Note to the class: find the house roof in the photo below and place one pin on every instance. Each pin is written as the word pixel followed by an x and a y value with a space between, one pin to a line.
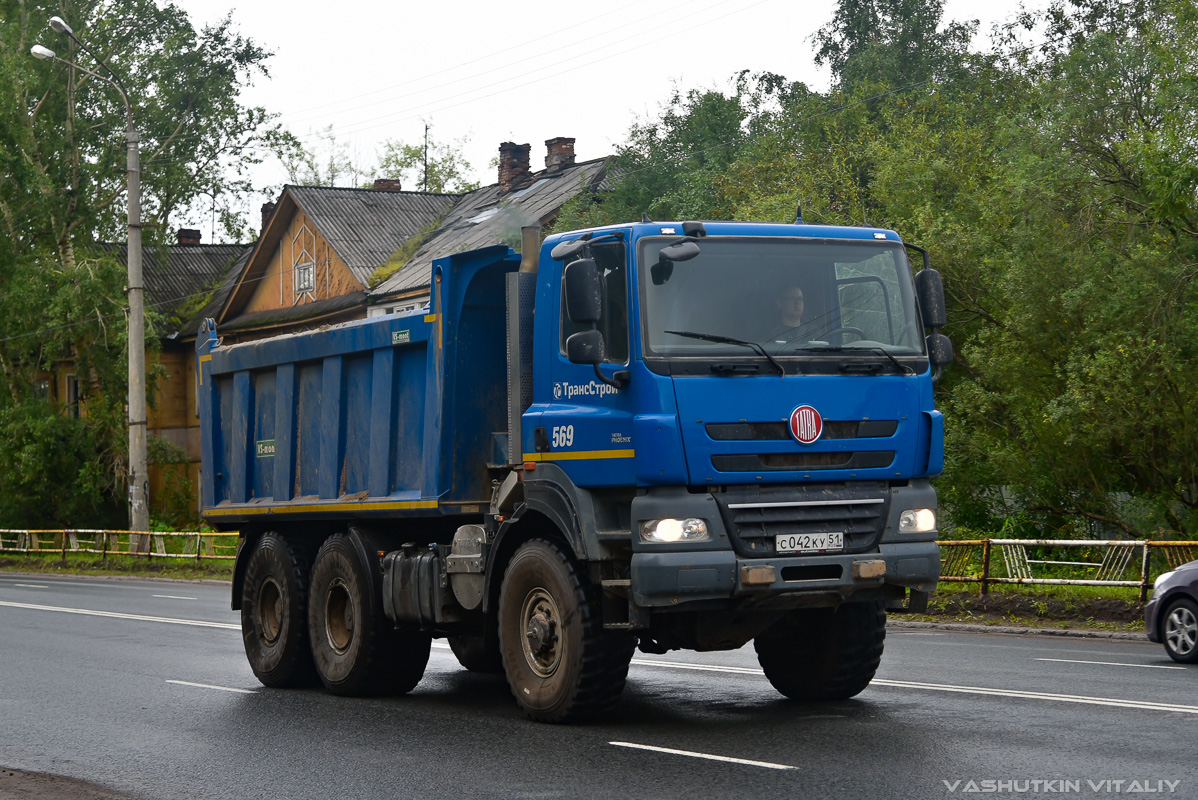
pixel 307 312
pixel 366 226
pixel 362 226
pixel 175 275
pixel 482 218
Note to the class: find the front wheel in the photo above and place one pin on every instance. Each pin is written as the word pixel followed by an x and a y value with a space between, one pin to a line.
pixel 1179 631
pixel 560 663
pixel 274 610
pixel 824 654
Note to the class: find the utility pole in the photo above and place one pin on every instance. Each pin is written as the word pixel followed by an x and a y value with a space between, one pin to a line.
pixel 139 479
pixel 425 157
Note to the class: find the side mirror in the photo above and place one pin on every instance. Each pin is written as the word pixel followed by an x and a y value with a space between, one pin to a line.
pixel 584 292
pixel 683 250
pixel 586 347
pixel 661 271
pixel 930 290
pixel 564 250
pixel 940 349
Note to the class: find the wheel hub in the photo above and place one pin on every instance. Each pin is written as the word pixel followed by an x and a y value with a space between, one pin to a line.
pixel 541 626
pixel 339 617
pixel 1181 631
pixel 270 611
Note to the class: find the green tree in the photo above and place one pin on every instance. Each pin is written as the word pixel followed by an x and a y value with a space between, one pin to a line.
pixel 429 166
pixel 62 194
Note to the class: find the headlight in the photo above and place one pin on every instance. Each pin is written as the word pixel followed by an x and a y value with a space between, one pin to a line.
pixel 665 531
pixel 917 520
pixel 1161 579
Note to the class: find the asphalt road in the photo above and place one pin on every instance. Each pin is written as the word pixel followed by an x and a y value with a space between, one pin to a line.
pixel 142 687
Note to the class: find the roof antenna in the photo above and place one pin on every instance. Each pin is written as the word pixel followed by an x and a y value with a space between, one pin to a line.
pixel 799 212
pixel 645 217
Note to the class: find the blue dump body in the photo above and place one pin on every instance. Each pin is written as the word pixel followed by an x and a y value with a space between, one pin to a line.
pixel 390 416
pixel 664 435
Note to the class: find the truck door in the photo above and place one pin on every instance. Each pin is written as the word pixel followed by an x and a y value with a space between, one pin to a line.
pixel 588 424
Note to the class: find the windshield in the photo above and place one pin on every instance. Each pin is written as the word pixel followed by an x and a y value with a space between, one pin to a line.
pixel 790 297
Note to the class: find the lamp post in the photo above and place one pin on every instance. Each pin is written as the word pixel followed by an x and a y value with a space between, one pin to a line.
pixel 139 510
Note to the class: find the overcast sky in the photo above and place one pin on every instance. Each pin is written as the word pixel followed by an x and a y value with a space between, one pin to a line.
pixel 518 70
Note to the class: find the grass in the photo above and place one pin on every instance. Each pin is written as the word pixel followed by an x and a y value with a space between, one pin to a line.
pixel 51 563
pixel 1099 608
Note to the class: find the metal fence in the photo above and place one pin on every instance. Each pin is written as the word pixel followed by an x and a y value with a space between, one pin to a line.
pixel 194 545
pixel 1021 561
pixel 1062 563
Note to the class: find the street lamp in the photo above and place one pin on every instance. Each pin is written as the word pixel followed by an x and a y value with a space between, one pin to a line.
pixel 139 510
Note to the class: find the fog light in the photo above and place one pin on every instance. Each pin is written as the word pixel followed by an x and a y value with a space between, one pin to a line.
pixel 668 531
pixel 917 520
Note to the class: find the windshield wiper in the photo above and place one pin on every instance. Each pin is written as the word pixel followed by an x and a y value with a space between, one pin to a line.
pixel 711 337
pixel 827 348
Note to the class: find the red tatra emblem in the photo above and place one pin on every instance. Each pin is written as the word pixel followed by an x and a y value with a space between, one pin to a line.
pixel 806 424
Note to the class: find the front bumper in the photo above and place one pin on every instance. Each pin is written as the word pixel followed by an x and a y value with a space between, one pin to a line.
pixel 670 579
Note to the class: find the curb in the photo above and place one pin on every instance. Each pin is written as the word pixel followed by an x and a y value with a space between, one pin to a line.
pixel 1075 633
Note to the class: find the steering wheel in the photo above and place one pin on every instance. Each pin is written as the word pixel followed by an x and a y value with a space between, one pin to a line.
pixel 797 345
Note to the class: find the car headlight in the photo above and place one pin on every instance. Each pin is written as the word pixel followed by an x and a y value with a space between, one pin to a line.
pixel 917 520
pixel 1161 579
pixel 668 531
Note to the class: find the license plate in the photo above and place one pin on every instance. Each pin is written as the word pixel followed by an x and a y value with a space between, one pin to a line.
pixel 809 542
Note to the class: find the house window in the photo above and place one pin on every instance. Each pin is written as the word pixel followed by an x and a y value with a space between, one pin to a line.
pixel 303 260
pixel 305 276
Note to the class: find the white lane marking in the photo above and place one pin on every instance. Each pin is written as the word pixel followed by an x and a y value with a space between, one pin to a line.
pixel 644 662
pixel 707 756
pixel 31 586
pixel 940 687
pixel 1107 663
pixel 1059 698
pixel 210 686
pixel 199 623
pixel 172 597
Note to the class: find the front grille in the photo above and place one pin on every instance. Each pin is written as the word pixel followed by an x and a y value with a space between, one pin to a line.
pixel 755 515
pixel 758 462
pixel 778 432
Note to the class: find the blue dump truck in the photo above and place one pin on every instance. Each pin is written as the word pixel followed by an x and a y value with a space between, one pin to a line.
pixel 665 435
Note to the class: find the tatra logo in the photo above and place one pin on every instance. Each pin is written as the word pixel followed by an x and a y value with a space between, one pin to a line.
pixel 806 424
pixel 592 389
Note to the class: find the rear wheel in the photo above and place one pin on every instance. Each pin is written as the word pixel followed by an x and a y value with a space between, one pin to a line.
pixel 354 646
pixel 1179 631
pixel 274 610
pixel 560 662
pixel 824 654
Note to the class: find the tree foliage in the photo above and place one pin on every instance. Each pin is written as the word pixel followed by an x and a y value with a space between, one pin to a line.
pixel 1054 179
pixel 63 195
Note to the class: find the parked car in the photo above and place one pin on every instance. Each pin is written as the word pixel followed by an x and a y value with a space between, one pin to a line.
pixel 1171 616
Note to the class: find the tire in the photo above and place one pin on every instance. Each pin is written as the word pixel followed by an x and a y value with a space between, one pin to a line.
pixel 824 654
pixel 355 648
pixel 1179 631
pixel 560 663
pixel 274 614
pixel 478 653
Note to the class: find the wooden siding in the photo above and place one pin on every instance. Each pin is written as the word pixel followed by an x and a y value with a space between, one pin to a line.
pixel 276 289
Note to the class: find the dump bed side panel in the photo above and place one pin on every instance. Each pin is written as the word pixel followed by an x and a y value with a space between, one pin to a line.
pixel 391 416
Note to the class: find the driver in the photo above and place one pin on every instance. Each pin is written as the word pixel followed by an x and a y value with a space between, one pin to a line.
pixel 791 326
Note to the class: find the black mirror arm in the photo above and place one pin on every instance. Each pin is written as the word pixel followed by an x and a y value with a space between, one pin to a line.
pixel 619 379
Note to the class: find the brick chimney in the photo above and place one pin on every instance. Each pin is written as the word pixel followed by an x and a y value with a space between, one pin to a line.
pixel 268 209
pixel 513 167
pixel 187 236
pixel 559 154
pixel 387 185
